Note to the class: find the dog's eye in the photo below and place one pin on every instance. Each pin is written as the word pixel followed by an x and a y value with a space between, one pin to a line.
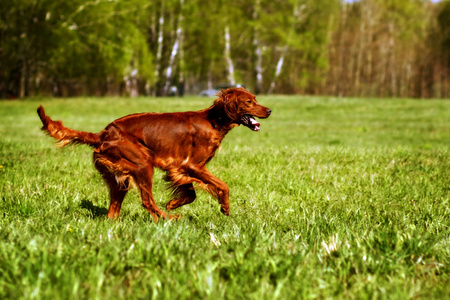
pixel 249 101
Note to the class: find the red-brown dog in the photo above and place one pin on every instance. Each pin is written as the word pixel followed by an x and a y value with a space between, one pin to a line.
pixel 179 143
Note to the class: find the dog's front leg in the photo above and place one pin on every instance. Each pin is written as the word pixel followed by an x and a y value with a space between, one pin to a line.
pixel 213 185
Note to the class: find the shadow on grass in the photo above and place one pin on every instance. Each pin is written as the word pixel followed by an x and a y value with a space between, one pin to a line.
pixel 96 211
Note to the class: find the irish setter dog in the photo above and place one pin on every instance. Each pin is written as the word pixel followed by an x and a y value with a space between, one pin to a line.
pixel 179 143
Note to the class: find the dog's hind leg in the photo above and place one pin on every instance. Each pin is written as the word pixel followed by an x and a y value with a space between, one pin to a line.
pixel 183 194
pixel 144 178
pixel 118 187
pixel 117 193
pixel 121 161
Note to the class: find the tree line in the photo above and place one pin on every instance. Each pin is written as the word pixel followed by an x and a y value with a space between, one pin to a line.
pixel 382 48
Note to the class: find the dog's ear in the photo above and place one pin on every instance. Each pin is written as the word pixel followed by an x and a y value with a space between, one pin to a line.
pixel 219 103
pixel 227 103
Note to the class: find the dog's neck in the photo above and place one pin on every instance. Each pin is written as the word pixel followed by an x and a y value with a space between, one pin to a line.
pixel 220 121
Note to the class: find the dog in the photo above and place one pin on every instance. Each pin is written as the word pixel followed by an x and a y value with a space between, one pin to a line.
pixel 180 143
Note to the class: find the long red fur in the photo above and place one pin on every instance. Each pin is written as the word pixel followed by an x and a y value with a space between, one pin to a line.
pixel 179 143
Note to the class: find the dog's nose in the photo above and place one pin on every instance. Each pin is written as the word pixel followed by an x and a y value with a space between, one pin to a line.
pixel 269 111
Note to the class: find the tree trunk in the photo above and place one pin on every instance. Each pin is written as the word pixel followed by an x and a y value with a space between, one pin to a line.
pixel 340 72
pixel 361 48
pixel 231 79
pixel 367 90
pixel 277 70
pixel 392 61
pixel 295 19
pixel 175 48
pixel 258 72
pixel 159 49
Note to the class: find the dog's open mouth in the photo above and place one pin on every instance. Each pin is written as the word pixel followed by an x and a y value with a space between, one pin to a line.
pixel 250 122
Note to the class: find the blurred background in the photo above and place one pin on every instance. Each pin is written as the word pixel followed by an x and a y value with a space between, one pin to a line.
pixel 368 48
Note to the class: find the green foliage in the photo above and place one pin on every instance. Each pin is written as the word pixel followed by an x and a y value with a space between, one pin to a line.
pixel 367 47
pixel 334 198
pixel 443 21
pixel 75 40
pixel 105 37
pixel 203 43
pixel 399 13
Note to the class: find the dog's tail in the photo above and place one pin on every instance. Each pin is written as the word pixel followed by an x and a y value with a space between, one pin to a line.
pixel 65 135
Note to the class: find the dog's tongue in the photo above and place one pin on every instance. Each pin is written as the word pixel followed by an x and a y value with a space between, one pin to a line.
pixel 256 125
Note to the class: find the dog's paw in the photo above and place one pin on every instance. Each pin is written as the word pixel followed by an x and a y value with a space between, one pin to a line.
pixel 170 206
pixel 174 217
pixel 225 211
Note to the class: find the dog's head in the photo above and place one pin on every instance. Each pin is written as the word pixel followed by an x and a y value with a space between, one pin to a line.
pixel 241 107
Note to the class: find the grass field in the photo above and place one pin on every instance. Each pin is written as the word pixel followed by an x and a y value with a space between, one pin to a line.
pixel 334 198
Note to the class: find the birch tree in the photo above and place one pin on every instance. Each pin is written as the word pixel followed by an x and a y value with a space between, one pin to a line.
pixel 175 49
pixel 230 65
pixel 160 42
pixel 298 14
pixel 258 70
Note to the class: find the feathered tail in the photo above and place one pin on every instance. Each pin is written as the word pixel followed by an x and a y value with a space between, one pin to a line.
pixel 65 135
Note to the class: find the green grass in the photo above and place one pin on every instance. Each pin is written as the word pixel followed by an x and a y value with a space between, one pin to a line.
pixel 334 198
